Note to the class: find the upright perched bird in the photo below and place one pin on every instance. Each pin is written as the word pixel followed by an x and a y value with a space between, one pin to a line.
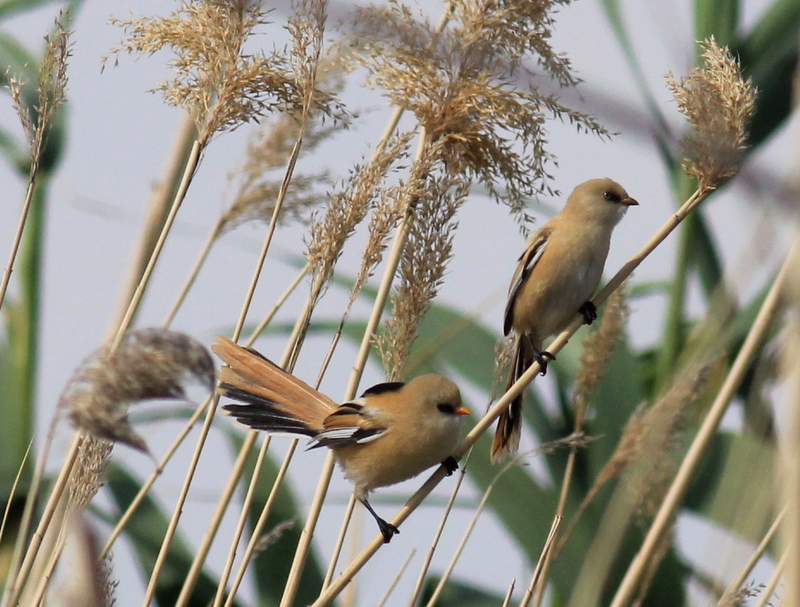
pixel 557 275
pixel 391 433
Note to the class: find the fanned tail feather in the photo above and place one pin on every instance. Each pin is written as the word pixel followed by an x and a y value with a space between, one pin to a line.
pixel 276 401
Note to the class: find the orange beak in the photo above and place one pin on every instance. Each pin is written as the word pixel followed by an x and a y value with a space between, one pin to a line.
pixel 462 410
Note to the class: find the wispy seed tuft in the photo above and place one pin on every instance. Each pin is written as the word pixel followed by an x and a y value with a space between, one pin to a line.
pixel 148 364
pixel 718 103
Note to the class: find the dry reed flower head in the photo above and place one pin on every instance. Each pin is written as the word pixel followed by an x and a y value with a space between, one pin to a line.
pixel 89 583
pixel 89 472
pixel 718 103
pixel 646 449
pixel 219 83
pixel 469 87
pixel 347 208
pixel 599 347
pixel 436 198
pixel 148 364
pixel 654 461
pixel 51 93
pixel 269 150
pixel 259 178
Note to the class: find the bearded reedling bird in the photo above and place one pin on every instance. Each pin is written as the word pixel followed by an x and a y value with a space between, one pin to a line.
pixel 393 432
pixel 557 275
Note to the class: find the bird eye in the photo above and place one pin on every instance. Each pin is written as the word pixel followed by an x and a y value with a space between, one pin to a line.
pixel 446 408
pixel 612 196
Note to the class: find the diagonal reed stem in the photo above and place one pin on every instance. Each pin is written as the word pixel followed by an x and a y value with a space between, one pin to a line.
pixel 145 488
pixel 423 572
pixel 172 528
pixel 537 579
pixel 12 256
pixel 491 415
pixel 671 502
pixel 763 600
pixel 392 263
pixel 754 558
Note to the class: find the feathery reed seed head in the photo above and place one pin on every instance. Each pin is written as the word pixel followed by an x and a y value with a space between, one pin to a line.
pixel 463 86
pixel 148 364
pixel 347 208
pixel 599 347
pixel 90 468
pixel 219 83
pixel 436 200
pixel 51 92
pixel 718 103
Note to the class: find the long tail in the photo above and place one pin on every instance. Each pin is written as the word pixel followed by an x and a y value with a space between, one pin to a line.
pixel 276 401
pixel 509 424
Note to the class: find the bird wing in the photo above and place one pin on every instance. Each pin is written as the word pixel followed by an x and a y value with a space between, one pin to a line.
pixel 527 262
pixel 276 400
pixel 352 423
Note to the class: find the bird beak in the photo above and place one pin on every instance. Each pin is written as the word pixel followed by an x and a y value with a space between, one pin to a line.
pixel 462 410
pixel 629 202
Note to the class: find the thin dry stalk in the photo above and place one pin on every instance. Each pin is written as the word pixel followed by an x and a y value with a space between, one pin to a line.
pixel 572 441
pixel 157 213
pixel 51 93
pixel 509 593
pixel 188 174
pixel 252 545
pixel 222 505
pixel 87 479
pixel 396 579
pixel 193 273
pixel 148 484
pixel 671 502
pixel 766 594
pixel 734 591
pixel 337 549
pixel 13 490
pixel 246 504
pixel 598 349
pixel 423 572
pixel 536 579
pixel 788 469
pixel 16 580
pixel 491 415
pixel 467 534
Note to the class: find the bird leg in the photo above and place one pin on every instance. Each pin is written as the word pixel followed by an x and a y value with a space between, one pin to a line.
pixel 451 465
pixel 541 356
pixel 387 529
pixel 589 312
